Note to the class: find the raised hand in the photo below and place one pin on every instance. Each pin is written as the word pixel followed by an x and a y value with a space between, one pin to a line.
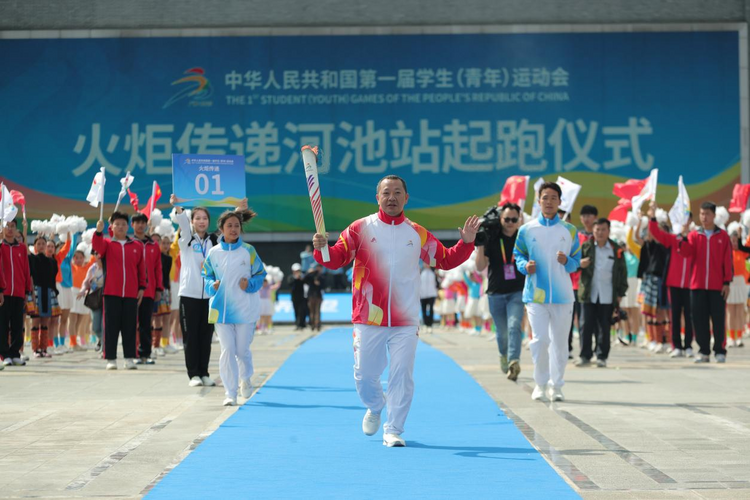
pixel 469 231
pixel 320 241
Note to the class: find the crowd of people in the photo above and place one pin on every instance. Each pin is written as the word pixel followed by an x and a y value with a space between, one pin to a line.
pixel 638 283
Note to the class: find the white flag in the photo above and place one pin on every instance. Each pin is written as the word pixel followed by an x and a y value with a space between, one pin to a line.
pixel 570 192
pixel 8 211
pixel 536 209
pixel 647 193
pixel 680 211
pixel 96 193
pixel 125 183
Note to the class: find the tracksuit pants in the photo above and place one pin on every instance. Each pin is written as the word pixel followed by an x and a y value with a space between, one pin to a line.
pixel 679 298
pixel 119 317
pixel 428 311
pixel 236 361
pixel 300 311
pixel 709 305
pixel 11 327
pixel 372 345
pixel 145 312
pixel 597 323
pixel 197 333
pixel 550 324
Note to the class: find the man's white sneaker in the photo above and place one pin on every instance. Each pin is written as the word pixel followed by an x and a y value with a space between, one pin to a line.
pixel 393 441
pixel 689 352
pixel 677 353
pixel 538 393
pixel 130 364
pixel 195 382
pixel 19 362
pixel 702 358
pixel 371 423
pixel 208 381
pixel 7 362
pixel 246 388
pixel 230 402
pixel 720 358
pixel 111 365
pixel 601 363
pixel 555 394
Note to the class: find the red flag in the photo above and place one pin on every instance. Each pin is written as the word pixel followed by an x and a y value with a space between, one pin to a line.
pixel 620 212
pixel 629 189
pixel 514 190
pixel 133 199
pixel 740 195
pixel 151 205
pixel 18 197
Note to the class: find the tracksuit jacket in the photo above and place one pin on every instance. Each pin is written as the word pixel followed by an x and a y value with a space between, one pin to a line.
pixel 123 264
pixel 16 273
pixel 680 263
pixel 152 263
pixel 193 251
pixel 228 263
pixel 540 240
pixel 712 258
pixel 386 252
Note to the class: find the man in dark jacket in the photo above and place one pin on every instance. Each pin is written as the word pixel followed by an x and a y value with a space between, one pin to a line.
pixel 299 302
pixel 604 281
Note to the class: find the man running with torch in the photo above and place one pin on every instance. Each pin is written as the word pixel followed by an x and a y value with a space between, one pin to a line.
pixel 386 248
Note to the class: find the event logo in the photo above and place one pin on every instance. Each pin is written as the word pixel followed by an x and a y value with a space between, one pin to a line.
pixel 196 87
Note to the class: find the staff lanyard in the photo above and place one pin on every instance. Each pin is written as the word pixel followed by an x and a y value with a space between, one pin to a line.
pixel 502 249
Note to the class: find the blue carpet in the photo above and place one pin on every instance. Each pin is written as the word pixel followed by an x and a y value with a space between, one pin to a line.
pixel 300 437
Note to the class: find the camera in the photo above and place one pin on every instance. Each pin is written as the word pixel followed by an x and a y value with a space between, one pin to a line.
pixel 489 227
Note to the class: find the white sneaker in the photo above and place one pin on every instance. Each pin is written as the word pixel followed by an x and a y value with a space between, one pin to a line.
pixel 689 352
pixel 246 388
pixel 8 362
pixel 160 351
pixel 739 343
pixel 19 362
pixel 677 353
pixel 702 358
pixel 154 354
pixel 195 382
pixel 555 394
pixel 538 393
pixel 371 423
pixel 393 441
pixel 111 365
pixel 130 364
pixel 230 402
pixel 208 381
pixel 720 358
pixel 730 342
pixel 169 349
pixel 179 347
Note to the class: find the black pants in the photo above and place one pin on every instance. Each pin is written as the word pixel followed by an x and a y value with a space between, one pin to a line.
pixel 300 311
pixel 680 300
pixel 576 314
pixel 197 332
pixel 120 317
pixel 709 305
pixel 11 327
pixel 597 322
pixel 428 311
pixel 145 312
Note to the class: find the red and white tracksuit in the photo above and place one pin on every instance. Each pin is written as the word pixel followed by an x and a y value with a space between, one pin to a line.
pixel 385 303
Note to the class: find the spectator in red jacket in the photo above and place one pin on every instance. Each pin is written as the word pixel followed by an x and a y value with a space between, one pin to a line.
pixel 154 288
pixel 711 249
pixel 124 284
pixel 17 283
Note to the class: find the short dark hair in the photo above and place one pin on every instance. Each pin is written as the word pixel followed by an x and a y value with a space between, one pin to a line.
pixel 602 220
pixel 14 222
pixel 139 217
pixel 589 210
pixel 119 215
pixel 707 205
pixel 512 206
pixel 391 178
pixel 550 185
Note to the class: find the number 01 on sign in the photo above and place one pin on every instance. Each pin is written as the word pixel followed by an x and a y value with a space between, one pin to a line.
pixel 208 180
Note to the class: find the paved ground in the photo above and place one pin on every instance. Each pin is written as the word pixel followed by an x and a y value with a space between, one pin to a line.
pixel 647 427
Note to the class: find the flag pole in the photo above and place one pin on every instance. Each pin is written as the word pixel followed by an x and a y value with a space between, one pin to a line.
pixel 101 201
pixel 2 205
pixel 152 201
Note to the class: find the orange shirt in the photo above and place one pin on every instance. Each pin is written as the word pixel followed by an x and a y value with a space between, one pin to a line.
pixel 739 257
pixel 79 272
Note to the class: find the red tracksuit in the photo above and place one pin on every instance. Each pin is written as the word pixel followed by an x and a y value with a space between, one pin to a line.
pixel 15 282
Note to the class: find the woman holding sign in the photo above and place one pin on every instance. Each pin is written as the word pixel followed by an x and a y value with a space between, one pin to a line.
pixel 234 274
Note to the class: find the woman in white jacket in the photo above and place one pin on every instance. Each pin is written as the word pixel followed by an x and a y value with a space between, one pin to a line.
pixel 234 273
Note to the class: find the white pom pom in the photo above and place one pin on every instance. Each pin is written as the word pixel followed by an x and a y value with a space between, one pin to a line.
pixel 88 235
pixel 85 248
pixel 661 215
pixel 631 220
pixel 156 217
pixel 36 226
pixel 62 228
pixel 173 215
pixel 735 228
pixel 722 217
pixel 56 218
pixel 76 224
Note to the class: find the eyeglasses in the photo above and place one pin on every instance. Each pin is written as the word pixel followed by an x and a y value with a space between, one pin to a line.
pixel 511 219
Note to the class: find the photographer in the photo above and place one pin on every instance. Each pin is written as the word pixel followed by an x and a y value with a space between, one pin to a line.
pixel 505 283
pixel 604 281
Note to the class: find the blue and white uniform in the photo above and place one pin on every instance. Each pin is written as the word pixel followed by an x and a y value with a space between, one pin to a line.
pixel 234 311
pixel 548 293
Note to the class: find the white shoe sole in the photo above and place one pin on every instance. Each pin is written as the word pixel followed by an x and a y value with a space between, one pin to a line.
pixel 394 444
